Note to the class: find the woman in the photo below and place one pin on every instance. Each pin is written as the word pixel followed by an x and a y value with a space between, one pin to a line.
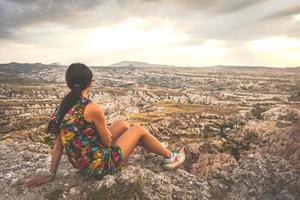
pixel 80 128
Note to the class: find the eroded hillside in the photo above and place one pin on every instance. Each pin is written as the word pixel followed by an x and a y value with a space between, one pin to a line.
pixel 239 126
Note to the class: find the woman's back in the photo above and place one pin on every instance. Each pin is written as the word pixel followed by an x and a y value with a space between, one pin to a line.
pixel 82 144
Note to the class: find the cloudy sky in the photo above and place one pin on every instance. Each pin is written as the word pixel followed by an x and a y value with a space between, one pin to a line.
pixel 177 32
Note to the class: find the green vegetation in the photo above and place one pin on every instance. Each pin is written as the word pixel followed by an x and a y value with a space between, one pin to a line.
pixel 130 190
pixel 53 195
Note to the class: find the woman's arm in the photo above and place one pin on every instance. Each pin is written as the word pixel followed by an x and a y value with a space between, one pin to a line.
pixel 56 156
pixel 94 113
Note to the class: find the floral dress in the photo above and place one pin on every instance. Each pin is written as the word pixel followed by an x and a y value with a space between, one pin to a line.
pixel 82 143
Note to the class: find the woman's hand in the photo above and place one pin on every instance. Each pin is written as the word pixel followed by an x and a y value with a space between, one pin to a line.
pixel 56 156
pixel 38 180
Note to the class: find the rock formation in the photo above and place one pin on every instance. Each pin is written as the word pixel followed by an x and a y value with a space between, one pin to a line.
pixel 239 128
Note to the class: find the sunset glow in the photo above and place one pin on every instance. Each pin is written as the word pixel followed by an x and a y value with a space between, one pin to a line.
pixel 163 32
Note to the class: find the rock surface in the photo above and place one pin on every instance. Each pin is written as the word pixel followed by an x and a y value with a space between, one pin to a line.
pixel 238 126
pixel 255 177
pixel 208 163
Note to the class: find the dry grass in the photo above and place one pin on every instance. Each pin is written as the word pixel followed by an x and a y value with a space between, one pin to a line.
pixel 111 91
pixel 4 103
pixel 166 91
pixel 171 107
pixel 145 118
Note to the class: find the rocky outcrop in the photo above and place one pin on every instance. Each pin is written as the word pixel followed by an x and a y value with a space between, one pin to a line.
pixel 234 124
pixel 283 142
pixel 281 113
pixel 208 163
pixel 254 177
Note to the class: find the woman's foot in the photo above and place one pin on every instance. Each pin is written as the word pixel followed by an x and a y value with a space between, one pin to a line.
pixel 177 158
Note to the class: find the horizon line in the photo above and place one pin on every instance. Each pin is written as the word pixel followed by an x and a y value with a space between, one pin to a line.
pixel 162 65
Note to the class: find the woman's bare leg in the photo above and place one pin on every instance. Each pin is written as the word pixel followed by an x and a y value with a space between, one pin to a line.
pixel 117 128
pixel 135 134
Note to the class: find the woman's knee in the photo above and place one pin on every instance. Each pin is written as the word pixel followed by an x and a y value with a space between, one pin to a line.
pixel 122 123
pixel 138 129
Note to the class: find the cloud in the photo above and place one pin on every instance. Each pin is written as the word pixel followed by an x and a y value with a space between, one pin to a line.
pixel 213 19
pixel 74 24
pixel 216 6
pixel 241 22
pixel 287 12
pixel 15 14
pixel 235 20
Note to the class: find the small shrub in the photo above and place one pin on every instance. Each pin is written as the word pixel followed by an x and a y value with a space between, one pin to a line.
pixel 257 110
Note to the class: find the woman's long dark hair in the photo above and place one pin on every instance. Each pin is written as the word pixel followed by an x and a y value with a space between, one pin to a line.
pixel 78 76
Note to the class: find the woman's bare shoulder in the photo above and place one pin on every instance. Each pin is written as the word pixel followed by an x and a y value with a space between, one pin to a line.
pixel 92 107
pixel 91 111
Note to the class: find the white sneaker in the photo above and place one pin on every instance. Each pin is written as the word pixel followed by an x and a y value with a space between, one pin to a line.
pixel 176 159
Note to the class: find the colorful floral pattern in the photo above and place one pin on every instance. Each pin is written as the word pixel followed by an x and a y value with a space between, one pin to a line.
pixel 82 143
